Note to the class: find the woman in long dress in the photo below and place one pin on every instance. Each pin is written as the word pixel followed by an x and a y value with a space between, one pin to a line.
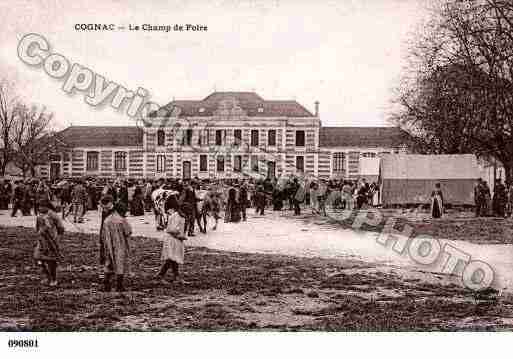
pixel 437 202
pixel 232 207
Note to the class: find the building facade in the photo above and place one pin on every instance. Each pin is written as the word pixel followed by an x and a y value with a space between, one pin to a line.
pixel 225 135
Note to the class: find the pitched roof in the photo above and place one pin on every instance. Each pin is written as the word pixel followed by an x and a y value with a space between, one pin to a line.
pixel 362 137
pixel 249 102
pixel 101 136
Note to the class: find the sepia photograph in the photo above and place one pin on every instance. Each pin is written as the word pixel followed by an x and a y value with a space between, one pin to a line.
pixel 228 166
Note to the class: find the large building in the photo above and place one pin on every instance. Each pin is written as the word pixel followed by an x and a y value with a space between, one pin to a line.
pixel 225 135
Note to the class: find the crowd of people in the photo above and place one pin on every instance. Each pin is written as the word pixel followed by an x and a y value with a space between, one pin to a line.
pixel 500 204
pixel 77 196
pixel 186 203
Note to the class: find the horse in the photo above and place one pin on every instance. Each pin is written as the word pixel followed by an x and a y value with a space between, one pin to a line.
pixel 207 206
pixel 159 197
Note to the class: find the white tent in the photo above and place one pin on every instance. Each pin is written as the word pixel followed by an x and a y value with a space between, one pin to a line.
pixel 411 178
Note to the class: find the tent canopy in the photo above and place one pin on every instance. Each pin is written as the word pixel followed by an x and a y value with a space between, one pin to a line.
pixel 433 167
pixel 410 179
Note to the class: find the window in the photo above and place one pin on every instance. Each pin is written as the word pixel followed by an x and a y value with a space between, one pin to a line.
pixel 368 155
pixel 338 162
pixel 203 138
pixel 187 137
pixel 207 137
pixel 120 161
pixel 219 137
pixel 300 138
pixel 161 163
pixel 254 163
pixel 203 163
pixel 300 163
pixel 161 138
pixel 237 137
pixel 92 161
pixel 237 163
pixel 260 109
pixel 271 138
pixel 254 137
pixel 55 157
pixel 220 163
pixel 202 109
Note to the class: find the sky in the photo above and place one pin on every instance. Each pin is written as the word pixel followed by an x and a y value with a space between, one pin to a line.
pixel 346 54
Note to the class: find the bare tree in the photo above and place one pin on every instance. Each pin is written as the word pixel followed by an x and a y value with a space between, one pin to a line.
pixel 31 131
pixel 7 122
pixel 456 94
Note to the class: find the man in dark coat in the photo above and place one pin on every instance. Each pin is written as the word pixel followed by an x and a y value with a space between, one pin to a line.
pixel 499 199
pixel 298 197
pixel 17 201
pixel 243 200
pixel 188 202
pixel 260 200
pixel 479 197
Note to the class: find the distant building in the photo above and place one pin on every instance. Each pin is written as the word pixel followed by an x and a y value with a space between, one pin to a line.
pixel 225 135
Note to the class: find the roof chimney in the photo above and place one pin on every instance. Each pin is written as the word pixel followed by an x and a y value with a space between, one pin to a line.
pixel 316 108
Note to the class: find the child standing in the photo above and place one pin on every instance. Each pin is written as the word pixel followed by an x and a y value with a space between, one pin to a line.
pixel 47 254
pixel 173 248
pixel 115 236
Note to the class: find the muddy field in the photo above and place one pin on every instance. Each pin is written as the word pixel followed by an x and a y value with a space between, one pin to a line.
pixel 230 291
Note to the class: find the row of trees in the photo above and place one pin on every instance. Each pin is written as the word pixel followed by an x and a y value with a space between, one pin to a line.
pixel 23 132
pixel 456 93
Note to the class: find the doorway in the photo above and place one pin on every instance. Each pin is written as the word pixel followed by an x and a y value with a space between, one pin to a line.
pixel 55 170
pixel 186 170
pixel 271 169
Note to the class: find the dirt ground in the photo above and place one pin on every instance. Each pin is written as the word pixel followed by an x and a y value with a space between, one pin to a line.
pixel 226 291
pixel 455 225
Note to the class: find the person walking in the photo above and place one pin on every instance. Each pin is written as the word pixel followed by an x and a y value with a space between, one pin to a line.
pixel 17 200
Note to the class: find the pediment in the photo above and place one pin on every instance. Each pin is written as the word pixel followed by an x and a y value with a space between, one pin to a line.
pixel 229 107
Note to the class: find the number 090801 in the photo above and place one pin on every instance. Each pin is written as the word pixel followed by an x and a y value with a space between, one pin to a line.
pixel 22 343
